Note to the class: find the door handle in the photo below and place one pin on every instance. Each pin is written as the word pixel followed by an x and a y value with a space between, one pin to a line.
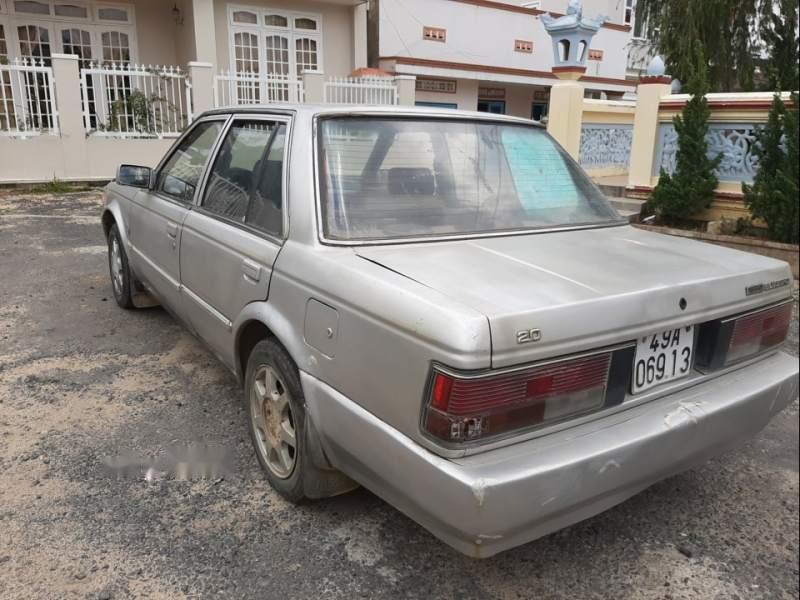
pixel 251 270
pixel 172 229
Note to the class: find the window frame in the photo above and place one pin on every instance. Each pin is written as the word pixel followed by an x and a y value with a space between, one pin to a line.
pixel 81 3
pixel 284 118
pixel 317 155
pixel 261 31
pixel 188 204
pixel 54 25
pixel 629 12
pixel 129 7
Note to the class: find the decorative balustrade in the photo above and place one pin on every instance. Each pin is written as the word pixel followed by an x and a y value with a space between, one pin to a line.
pixel 27 99
pixel 733 141
pixel 123 100
pixel 235 89
pixel 605 146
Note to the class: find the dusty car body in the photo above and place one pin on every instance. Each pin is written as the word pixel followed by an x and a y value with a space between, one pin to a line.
pixel 494 373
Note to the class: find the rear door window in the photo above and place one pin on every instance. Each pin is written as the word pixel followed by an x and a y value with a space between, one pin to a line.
pixel 246 180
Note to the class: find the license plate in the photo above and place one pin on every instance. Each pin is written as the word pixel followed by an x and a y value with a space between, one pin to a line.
pixel 662 357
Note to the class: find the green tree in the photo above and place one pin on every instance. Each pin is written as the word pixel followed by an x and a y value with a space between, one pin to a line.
pixel 725 29
pixel 778 28
pixel 774 195
pixel 690 189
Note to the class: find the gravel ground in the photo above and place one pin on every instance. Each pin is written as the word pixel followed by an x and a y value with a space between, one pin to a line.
pixel 81 379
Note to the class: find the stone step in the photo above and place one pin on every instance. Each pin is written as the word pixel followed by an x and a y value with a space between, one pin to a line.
pixel 615 191
pixel 632 216
pixel 629 204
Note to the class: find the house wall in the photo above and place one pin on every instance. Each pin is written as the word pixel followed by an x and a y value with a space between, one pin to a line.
pixel 480 35
pixel 337 31
pixel 156 32
pixel 519 100
pixel 185 50
pixel 466 95
pixel 613 9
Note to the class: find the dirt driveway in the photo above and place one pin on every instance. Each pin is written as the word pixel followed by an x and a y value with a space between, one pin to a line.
pixel 81 380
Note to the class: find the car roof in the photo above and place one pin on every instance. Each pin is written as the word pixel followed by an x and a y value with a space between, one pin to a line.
pixel 312 110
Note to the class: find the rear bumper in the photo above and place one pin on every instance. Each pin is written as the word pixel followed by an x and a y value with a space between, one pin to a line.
pixel 489 502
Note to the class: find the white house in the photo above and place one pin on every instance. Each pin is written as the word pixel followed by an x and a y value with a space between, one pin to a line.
pixel 496 56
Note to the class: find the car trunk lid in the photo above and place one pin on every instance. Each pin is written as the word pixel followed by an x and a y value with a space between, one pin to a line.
pixel 584 289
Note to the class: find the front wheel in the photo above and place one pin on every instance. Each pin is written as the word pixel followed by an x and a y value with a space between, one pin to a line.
pixel 118 269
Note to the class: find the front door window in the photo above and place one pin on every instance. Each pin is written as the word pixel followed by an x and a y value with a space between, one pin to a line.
pixel 181 173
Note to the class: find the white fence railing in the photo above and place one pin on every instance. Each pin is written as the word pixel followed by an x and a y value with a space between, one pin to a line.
pixel 135 100
pixel 232 89
pixel 27 99
pixel 360 90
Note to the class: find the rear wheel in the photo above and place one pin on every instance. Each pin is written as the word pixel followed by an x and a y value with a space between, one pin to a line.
pixel 118 269
pixel 276 414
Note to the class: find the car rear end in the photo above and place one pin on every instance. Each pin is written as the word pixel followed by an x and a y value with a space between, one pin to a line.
pixel 557 441
pixel 617 357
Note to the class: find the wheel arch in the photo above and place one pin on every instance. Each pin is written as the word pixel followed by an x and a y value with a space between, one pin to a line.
pixel 112 215
pixel 261 320
pixel 258 321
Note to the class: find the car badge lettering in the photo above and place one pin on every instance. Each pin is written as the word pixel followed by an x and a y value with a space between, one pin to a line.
pixel 527 336
pixel 760 288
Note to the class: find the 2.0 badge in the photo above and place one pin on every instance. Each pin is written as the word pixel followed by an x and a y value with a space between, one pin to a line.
pixel 527 336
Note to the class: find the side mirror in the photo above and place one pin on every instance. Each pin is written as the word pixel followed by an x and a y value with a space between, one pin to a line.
pixel 134 176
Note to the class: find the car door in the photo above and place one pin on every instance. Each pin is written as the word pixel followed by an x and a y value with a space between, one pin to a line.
pixel 155 222
pixel 231 239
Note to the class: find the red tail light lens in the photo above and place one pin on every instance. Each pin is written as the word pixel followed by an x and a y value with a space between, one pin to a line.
pixel 754 333
pixel 727 341
pixel 464 408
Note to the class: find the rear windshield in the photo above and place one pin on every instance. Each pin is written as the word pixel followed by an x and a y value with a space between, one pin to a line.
pixel 384 179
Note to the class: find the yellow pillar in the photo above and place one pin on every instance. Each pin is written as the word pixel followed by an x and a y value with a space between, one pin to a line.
pixel 565 115
pixel 645 129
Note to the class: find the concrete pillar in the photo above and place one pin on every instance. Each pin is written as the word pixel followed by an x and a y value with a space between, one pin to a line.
pixel 205 33
pixel 645 128
pixel 67 85
pixel 202 77
pixel 565 114
pixel 314 86
pixel 406 89
pixel 360 36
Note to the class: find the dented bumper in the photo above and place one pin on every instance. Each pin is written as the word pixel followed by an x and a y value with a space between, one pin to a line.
pixel 489 502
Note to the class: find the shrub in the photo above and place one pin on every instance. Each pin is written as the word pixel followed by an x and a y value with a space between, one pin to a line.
pixel 690 189
pixel 774 196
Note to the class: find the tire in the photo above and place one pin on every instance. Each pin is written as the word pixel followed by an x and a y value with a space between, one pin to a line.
pixel 276 416
pixel 121 280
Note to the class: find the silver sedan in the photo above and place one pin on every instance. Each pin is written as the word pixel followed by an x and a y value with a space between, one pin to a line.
pixel 442 307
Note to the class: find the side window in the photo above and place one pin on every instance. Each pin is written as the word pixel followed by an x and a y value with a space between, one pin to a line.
pixel 180 175
pixel 246 181
pixel 266 206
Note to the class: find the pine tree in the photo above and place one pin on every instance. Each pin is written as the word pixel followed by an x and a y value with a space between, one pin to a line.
pixel 774 195
pixel 690 189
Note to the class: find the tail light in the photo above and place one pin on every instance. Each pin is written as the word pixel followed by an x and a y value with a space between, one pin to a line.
pixel 465 407
pixel 728 341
